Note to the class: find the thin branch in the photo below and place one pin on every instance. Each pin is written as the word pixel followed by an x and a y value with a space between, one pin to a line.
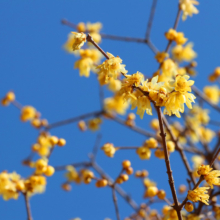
pixel 118 189
pixel 135 128
pixel 180 150
pixel 115 203
pixel 27 204
pixel 126 148
pixel 96 147
pixel 151 18
pixel 72 120
pixel 17 104
pixel 167 161
pixel 79 164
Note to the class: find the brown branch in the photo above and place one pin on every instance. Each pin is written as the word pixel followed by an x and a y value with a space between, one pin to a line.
pixel 17 104
pixel 167 161
pixel 115 203
pixel 126 148
pixel 72 120
pixel 118 189
pixel 136 129
pixel 119 38
pixel 79 164
pixel 174 27
pixel 151 18
pixel 27 204
pixel 180 150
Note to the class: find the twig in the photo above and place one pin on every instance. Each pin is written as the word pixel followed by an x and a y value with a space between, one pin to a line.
pixel 167 161
pixel 80 164
pixel 118 189
pixel 28 208
pixel 95 148
pixel 17 104
pixel 150 21
pixel 115 203
pixel 135 128
pixel 72 120
pixel 180 150
pixel 126 148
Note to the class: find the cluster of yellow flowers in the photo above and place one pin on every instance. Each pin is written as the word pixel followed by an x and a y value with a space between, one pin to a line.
pixel 188 8
pixel 9 97
pixel 92 124
pixel 196 121
pixel 89 57
pixel 11 184
pixel 45 142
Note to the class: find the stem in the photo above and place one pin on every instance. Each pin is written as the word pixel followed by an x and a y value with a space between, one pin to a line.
pixel 115 203
pixel 151 18
pixel 28 208
pixel 89 38
pixel 72 120
pixel 167 161
pixel 180 150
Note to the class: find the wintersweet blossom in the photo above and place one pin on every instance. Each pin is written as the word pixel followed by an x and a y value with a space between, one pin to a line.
pixel 84 65
pixel 116 104
pixel 199 194
pixel 181 53
pixel 75 41
pixel 182 84
pixel 212 92
pixel 188 8
pixel 110 68
pixel 109 149
pixel 211 176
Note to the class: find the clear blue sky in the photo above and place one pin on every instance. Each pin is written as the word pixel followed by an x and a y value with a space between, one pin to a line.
pixel 34 65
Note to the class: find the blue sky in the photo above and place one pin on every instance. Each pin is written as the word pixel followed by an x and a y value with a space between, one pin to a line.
pixel 41 74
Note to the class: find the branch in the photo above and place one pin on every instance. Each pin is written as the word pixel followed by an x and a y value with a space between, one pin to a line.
pixel 180 150
pixel 150 21
pixel 167 161
pixel 72 120
pixel 28 208
pixel 115 203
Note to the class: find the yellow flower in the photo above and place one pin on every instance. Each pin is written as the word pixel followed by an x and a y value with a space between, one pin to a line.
pixel 200 114
pixel 175 103
pixel 212 92
pixel 110 68
pixel 206 135
pixel 169 68
pixel 114 85
pixel 181 53
pixel 151 143
pixel 116 104
pixel 109 149
pixel 180 39
pixel 72 174
pixel 144 153
pixel 204 169
pixel 9 97
pixel 95 27
pixel 84 65
pixel 94 124
pixel 28 113
pixel 143 104
pixel 160 56
pixel 171 34
pixel 81 27
pixel 211 176
pixel 188 8
pixel 176 36
pixel 199 194
pixel 75 41
pixel 182 84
